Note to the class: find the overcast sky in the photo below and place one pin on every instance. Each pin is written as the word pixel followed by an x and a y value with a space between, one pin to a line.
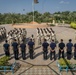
pixel 24 6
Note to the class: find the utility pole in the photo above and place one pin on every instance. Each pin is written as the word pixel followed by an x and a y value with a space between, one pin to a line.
pixel 33 4
pixel 33 9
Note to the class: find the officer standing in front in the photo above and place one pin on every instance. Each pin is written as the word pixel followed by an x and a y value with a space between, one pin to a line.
pixel 15 49
pixel 45 50
pixel 23 49
pixel 69 46
pixel 6 48
pixel 61 48
pixel 75 51
pixel 31 48
pixel 52 46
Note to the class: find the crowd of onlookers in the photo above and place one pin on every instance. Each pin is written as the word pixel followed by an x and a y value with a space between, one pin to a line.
pixel 61 46
pixel 31 44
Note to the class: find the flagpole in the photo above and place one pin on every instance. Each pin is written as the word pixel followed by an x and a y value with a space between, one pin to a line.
pixel 33 9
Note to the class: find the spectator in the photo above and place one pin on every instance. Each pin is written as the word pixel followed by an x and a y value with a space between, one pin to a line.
pixel 31 48
pixel 15 49
pixel 69 46
pixel 52 46
pixel 61 48
pixel 6 48
pixel 45 50
pixel 23 49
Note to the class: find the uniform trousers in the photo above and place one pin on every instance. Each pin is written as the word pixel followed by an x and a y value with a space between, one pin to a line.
pixel 7 53
pixel 16 52
pixel 23 54
pixel 45 51
pixel 69 53
pixel 31 53
pixel 45 54
pixel 75 54
pixel 52 52
pixel 61 53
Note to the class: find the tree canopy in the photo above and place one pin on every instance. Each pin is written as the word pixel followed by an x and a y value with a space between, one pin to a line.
pixel 59 17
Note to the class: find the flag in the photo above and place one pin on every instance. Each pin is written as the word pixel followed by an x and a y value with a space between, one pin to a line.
pixel 36 1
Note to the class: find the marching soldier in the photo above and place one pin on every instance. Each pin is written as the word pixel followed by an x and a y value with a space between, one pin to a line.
pixel 32 37
pixel 45 49
pixel 6 48
pixel 52 51
pixel 23 49
pixel 69 46
pixel 31 48
pixel 61 48
pixel 15 49
pixel 39 40
pixel 5 32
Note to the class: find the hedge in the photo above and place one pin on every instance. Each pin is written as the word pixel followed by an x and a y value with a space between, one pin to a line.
pixel 64 62
pixel 4 61
pixel 73 25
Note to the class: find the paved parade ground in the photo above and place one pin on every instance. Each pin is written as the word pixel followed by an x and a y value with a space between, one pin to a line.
pixel 39 66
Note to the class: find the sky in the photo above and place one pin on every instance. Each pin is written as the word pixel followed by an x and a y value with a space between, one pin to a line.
pixel 25 6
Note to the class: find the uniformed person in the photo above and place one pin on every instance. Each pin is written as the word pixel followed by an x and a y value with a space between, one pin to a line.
pixel 15 49
pixel 6 48
pixel 61 48
pixel 45 49
pixel 69 46
pixel 39 40
pixel 1 34
pixel 52 51
pixel 32 37
pixel 75 51
pixel 23 49
pixel 31 48
pixel 24 39
pixel 5 32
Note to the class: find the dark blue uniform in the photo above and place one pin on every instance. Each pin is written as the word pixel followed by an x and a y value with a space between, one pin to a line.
pixel 31 44
pixel 61 49
pixel 75 51
pixel 15 49
pixel 69 50
pixel 45 50
pixel 52 46
pixel 23 50
pixel 6 49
